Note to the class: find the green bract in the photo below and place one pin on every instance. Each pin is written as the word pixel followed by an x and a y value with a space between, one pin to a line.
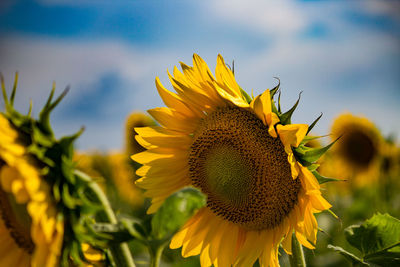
pixel 71 192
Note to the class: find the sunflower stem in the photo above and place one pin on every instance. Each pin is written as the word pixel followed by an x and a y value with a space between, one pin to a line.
pixel 120 253
pixel 297 258
pixel 155 254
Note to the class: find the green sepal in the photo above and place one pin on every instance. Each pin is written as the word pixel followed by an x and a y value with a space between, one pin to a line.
pixel 67 169
pixel 308 138
pixel 44 115
pixel 68 199
pixel 313 167
pixel 40 153
pixel 76 253
pixel 322 179
pixel 67 142
pixel 245 95
pixel 14 90
pixel 313 123
pixel 56 191
pixel 274 90
pixel 38 137
pixel 279 103
pixel 65 257
pixel 301 150
pixel 286 118
pixel 313 154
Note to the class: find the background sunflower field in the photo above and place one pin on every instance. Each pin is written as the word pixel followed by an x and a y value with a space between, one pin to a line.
pixel 344 56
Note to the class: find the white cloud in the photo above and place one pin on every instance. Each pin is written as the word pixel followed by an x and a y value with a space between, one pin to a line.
pixel 76 63
pixel 280 17
pixel 315 65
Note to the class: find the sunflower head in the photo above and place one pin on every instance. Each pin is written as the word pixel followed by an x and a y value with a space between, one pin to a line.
pixel 135 119
pixel 357 155
pixel 244 154
pixel 43 218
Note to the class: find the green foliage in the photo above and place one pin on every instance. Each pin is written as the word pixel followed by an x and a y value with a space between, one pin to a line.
pixel 175 211
pixel 377 239
pixel 286 118
pixel 71 191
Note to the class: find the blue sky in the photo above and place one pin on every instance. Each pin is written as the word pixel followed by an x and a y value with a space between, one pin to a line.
pixel 343 55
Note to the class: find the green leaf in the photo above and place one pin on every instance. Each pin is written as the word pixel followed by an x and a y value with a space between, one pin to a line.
pixel 313 167
pixel 274 90
pixel 378 239
pixel 313 124
pixel 67 198
pixel 40 138
pixel 313 154
pixel 279 103
pixel 322 179
pixel 44 115
pixel 14 90
pixel 286 118
pixel 175 211
pixel 308 138
pixel 349 256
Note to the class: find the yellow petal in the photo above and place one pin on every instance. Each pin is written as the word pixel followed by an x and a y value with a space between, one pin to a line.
pixel 148 156
pixel 272 119
pixel 174 120
pixel 292 134
pixel 262 106
pixel 287 243
pixel 172 100
pixel 225 76
pixel 161 137
pixel 308 180
pixel 319 203
pixel 236 100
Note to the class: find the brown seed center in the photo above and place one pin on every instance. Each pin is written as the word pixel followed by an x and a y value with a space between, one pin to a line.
pixel 242 169
pixel 17 220
pixel 358 148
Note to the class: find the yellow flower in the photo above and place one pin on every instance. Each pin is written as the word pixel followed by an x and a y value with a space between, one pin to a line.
pixel 356 156
pixel 31 230
pixel 94 256
pixel 240 153
pixel 135 119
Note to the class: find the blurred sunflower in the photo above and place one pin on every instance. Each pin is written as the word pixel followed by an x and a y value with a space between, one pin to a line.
pixel 31 229
pixel 244 155
pixel 135 119
pixel 114 173
pixel 45 204
pixel 390 164
pixel 356 157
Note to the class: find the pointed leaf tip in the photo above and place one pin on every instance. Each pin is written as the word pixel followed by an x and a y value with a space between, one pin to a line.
pixel 286 118
pixel 274 90
pixel 314 122
pixel 14 90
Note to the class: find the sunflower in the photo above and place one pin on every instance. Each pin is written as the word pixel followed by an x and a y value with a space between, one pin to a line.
pixel 135 119
pixel 357 155
pixel 244 154
pixel 45 204
pixel 31 230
